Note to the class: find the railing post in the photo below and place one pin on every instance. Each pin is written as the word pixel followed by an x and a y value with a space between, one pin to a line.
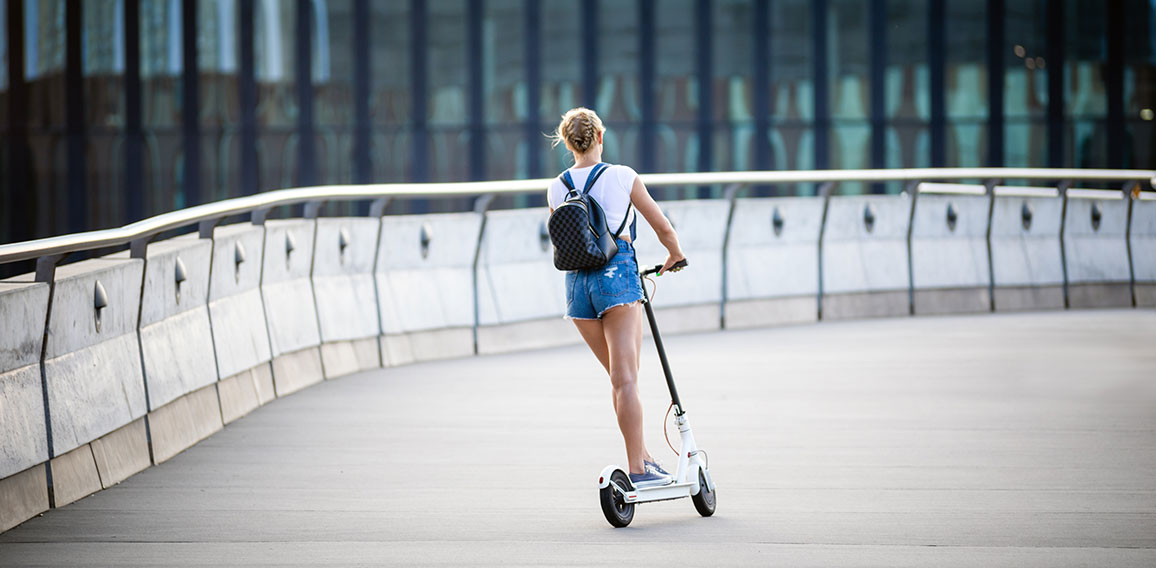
pixel 730 195
pixel 825 192
pixel 480 206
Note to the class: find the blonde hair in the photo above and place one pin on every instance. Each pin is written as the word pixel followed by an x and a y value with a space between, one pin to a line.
pixel 580 128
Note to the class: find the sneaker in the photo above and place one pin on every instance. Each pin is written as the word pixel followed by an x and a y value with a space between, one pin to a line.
pixel 655 468
pixel 649 479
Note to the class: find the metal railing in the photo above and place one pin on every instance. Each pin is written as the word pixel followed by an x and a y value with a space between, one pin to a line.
pixel 50 251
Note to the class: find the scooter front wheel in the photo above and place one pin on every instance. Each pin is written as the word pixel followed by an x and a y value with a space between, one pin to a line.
pixel 618 512
pixel 704 501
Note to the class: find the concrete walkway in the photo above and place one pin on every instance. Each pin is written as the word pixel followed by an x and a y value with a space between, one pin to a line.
pixel 989 440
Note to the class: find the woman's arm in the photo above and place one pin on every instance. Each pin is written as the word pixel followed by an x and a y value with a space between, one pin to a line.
pixel 650 210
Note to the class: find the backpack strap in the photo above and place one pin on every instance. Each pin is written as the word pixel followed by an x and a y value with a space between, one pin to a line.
pixel 568 182
pixel 596 173
pixel 629 205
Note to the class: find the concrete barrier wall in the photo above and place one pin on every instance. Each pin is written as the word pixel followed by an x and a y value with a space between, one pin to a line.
pixel 690 301
pixel 1096 250
pixel 240 334
pixel 773 262
pixel 290 309
pixel 1142 241
pixel 864 257
pixel 949 259
pixel 1027 262
pixel 23 436
pixel 177 345
pixel 521 296
pixel 95 385
pixel 425 286
pixel 343 283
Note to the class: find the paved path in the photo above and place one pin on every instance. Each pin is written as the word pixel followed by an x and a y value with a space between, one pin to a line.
pixel 991 440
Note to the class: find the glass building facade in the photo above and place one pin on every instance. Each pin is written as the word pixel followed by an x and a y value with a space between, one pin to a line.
pixel 114 110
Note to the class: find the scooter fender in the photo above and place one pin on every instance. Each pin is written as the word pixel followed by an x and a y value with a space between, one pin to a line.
pixel 604 477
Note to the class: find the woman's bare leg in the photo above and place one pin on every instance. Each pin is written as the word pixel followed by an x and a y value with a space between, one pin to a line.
pixel 622 330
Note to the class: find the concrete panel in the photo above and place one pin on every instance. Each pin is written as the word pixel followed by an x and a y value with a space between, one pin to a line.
pixel 402 349
pixel 864 265
pixel 773 261
pixel 121 454
pixel 23 439
pixel 342 358
pixel 425 286
pixel 240 335
pixel 343 278
pixel 178 355
pixel 176 341
pixel 949 259
pixel 245 391
pixel 93 366
pixel 1027 261
pixel 742 314
pixel 74 476
pixel 517 281
pixel 1143 245
pixel 295 371
pixel 286 286
pixel 684 319
pixel 23 496
pixel 1096 254
pixel 522 336
pixel 701 227
pixel 184 422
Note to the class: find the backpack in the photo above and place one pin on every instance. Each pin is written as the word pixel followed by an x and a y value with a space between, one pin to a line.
pixel 578 227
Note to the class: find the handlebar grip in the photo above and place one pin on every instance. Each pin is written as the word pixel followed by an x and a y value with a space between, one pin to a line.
pixel 680 264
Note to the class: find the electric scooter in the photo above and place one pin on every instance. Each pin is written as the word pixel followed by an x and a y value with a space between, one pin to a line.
pixel 615 491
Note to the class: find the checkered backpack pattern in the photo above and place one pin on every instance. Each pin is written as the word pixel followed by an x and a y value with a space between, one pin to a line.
pixel 578 227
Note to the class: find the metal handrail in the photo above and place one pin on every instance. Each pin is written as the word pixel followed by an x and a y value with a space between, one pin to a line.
pixel 145 229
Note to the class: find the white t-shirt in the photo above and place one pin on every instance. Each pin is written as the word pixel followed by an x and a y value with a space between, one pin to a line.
pixel 611 191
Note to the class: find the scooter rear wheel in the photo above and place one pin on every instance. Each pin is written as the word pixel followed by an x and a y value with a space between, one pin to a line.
pixel 618 512
pixel 704 501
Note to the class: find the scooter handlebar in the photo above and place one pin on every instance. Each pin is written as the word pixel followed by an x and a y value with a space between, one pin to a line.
pixel 678 265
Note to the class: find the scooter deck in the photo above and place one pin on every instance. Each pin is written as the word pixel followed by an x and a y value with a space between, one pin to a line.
pixel 659 492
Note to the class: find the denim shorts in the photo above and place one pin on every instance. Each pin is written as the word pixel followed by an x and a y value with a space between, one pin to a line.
pixel 589 293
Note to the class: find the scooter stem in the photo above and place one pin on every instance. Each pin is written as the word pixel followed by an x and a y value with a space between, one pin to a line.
pixel 678 410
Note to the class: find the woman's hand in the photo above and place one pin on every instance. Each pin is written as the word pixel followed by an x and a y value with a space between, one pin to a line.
pixel 671 260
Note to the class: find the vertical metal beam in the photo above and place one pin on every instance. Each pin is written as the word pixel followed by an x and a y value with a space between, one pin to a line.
pixel 475 19
pixel 306 150
pixel 704 69
pixel 877 42
pixel 133 117
pixel 590 50
pixel 646 87
pixel 937 65
pixel 190 103
pixel 1056 56
pixel 762 84
pixel 77 205
pixel 20 204
pixel 1119 151
pixel 822 122
pixel 418 88
pixel 995 81
pixel 532 28
pixel 247 95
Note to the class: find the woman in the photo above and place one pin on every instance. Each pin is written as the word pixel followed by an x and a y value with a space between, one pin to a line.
pixel 605 303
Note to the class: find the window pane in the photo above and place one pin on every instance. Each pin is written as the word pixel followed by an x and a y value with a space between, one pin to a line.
pixel 161 66
pixel 966 82
pixel 220 110
pixel 333 64
pixel 1025 84
pixel 677 102
pixel 792 112
pixel 44 39
pixel 504 89
pixel 561 72
pixel 617 101
pixel 275 53
pixel 1140 82
pixel 733 68
pixel 102 63
pixel 389 105
pixel 448 104
pixel 1085 93
pixel 906 87
pixel 849 88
